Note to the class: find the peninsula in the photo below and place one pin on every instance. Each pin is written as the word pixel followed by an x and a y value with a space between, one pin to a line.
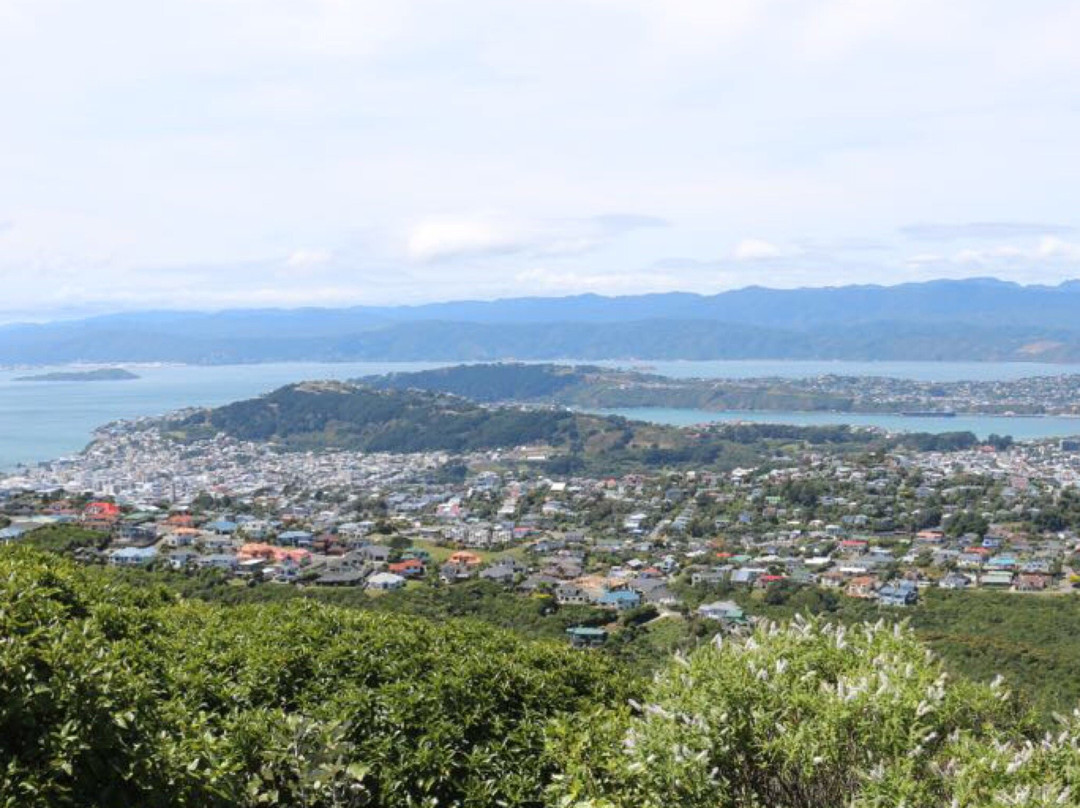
pixel 100 375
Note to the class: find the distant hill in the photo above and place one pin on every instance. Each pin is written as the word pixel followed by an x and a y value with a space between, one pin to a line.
pixel 596 387
pixel 975 319
pixel 102 375
pixel 338 415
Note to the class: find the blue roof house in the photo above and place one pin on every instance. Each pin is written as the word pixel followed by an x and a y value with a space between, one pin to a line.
pixel 620 599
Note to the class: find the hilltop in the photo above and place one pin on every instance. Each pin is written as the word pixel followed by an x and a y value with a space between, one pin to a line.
pixel 599 387
pixel 339 415
pixel 356 417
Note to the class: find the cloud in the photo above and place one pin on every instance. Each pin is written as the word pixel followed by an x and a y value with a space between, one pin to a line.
pixel 1055 248
pixel 752 249
pixel 624 222
pixel 982 230
pixel 305 259
pixel 473 140
pixel 487 236
pixel 439 239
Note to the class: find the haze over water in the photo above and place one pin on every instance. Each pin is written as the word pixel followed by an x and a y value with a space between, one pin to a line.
pixel 44 420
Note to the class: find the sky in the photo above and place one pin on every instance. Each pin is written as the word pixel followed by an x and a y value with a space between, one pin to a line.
pixel 251 153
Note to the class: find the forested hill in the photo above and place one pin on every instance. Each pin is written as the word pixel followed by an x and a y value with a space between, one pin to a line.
pixel 346 416
pixel 599 387
pixel 507 381
pixel 337 415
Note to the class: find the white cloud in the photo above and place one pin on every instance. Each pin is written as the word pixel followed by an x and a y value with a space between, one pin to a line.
pixel 1057 248
pixel 441 238
pixel 752 249
pixel 474 140
pixel 305 259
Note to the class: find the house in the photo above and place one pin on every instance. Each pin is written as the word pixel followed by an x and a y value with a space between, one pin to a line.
pixel 569 592
pixel 587 636
pixel 726 611
pixel 898 593
pixel 251 568
pixel 408 568
pixel 861 586
pixel 222 526
pixel 452 573
pixel 220 561
pixel 465 557
pixel 132 556
pixel 1032 582
pixel 620 599
pixel 101 515
pixel 999 579
pixel 955 580
pixel 502 573
pixel 343 577
pixel 141 535
pixel 660 596
pixel 538 582
pixel 180 559
pixel 376 553
pixel 296 538
pixel 385 581
pixel 713 577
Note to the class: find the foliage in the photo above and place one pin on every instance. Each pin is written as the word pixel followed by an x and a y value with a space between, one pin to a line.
pixel 114 695
pixel 65 538
pixel 813 715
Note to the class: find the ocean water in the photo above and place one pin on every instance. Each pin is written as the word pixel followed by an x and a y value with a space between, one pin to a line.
pixel 1021 428
pixel 45 420
pixel 789 369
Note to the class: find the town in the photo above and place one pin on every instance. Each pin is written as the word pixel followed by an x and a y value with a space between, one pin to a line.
pixel 879 527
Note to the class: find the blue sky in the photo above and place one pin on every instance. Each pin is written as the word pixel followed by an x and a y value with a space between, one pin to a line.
pixel 218 153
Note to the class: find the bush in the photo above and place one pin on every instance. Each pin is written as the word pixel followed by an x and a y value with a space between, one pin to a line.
pixel 111 695
pixel 813 715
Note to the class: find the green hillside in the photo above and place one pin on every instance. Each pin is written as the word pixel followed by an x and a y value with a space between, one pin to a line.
pixel 314 415
pixel 112 695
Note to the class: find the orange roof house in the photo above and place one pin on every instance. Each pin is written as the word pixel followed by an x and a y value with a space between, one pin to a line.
pixel 408 567
pixel 268 552
pixel 101 514
pixel 465 557
pixel 101 510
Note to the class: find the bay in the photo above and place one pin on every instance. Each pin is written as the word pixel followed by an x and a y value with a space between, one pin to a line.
pixel 1020 427
pixel 44 420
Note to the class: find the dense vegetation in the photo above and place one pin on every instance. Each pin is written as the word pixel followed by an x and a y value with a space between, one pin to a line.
pixel 352 417
pixel 811 715
pixel 112 695
pixel 509 381
pixel 595 387
pixel 358 417
pixel 120 695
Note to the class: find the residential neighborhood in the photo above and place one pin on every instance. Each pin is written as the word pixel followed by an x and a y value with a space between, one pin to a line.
pixel 877 528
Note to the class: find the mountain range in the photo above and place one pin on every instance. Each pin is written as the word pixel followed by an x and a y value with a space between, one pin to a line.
pixel 973 319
